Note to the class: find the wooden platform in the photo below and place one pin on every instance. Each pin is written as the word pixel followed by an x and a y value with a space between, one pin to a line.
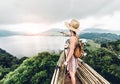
pixel 85 74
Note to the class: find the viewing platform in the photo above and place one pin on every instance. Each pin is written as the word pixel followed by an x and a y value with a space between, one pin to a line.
pixel 85 74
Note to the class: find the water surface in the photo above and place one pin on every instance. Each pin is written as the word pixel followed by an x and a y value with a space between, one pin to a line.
pixel 20 46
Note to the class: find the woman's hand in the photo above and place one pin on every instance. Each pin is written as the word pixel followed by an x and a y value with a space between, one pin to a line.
pixel 65 63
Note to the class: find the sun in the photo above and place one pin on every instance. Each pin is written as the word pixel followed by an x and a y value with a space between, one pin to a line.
pixel 30 28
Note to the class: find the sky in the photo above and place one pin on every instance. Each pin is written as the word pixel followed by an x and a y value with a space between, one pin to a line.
pixel 34 16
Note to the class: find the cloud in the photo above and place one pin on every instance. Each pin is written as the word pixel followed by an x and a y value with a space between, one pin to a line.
pixel 25 27
pixel 51 11
pixel 109 22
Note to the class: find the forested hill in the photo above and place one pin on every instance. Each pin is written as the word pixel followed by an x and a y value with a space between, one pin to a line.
pixel 100 37
pixel 34 70
pixel 8 62
pixel 114 46
pixel 6 59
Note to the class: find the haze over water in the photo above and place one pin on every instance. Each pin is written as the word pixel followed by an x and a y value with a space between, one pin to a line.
pixel 20 46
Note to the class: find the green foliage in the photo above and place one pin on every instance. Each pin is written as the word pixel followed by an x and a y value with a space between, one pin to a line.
pixel 8 62
pixel 91 45
pixel 35 70
pixel 40 77
pixel 3 71
pixel 6 59
pixel 112 45
pixel 105 61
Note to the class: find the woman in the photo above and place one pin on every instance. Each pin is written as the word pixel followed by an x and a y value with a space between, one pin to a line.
pixel 71 61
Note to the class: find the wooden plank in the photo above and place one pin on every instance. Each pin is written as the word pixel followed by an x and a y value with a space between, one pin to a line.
pixel 98 76
pixel 92 78
pixel 103 81
pixel 53 78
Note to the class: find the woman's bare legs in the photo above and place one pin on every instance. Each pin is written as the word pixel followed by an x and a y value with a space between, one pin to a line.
pixel 72 75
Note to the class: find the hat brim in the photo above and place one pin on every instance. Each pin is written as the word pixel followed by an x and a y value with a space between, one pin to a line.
pixel 70 27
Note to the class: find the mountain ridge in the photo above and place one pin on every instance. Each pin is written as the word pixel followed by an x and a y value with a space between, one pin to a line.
pixel 8 33
pixel 56 32
pixel 99 30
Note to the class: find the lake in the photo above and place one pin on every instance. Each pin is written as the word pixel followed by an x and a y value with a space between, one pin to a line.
pixel 20 46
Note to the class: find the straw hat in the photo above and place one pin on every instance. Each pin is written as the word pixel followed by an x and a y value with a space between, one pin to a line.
pixel 73 25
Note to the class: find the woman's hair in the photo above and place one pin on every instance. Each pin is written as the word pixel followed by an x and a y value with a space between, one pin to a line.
pixel 73 32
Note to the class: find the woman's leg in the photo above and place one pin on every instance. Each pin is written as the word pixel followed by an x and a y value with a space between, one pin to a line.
pixel 72 75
